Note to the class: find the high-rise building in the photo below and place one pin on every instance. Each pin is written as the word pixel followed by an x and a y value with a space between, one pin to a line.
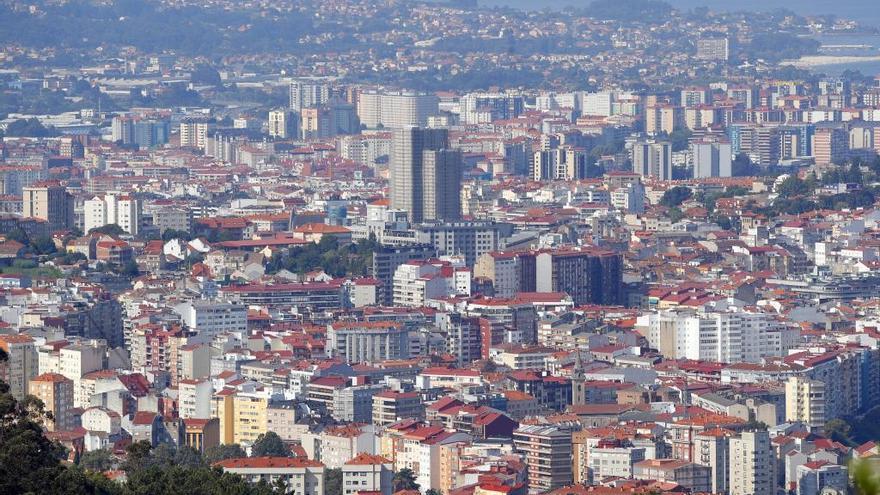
pixel 21 365
pixel 368 342
pixel 712 160
pixel 422 167
pixel 144 132
pixel 548 454
pixel 304 94
pixel 752 464
pixel 283 124
pixel 118 209
pixel 386 259
pixel 830 145
pixel 589 276
pixel 50 202
pixel 441 184
pixel 56 392
pixel 564 163
pixel 712 449
pixel 599 104
pixel 652 159
pixel 481 108
pixel 805 401
pixel 713 49
pixel 194 133
pixel 692 97
pixel 662 118
pixel 463 339
pixel 396 110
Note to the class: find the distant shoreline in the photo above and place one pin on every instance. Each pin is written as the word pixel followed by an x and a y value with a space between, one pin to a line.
pixel 823 60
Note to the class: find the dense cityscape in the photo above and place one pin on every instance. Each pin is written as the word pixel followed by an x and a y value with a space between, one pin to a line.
pixel 401 247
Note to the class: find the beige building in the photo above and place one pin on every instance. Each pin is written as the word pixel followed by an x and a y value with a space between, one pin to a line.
pixel 805 401
pixel 663 118
pixel 752 464
pixel 390 407
pixel 302 476
pixel 21 365
pixel 548 455
pixel 56 392
pixel 367 473
pixel 49 202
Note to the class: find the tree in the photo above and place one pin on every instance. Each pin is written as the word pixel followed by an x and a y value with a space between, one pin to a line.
pixel 269 444
pixel 28 128
pixel 742 166
pixel 138 457
pixel 130 269
pixel 793 186
pixel 333 482
pixel 675 215
pixel 188 457
pixel 866 478
pixel 43 245
pixel 97 460
pixel 839 431
pixel 223 452
pixel 170 234
pixel 433 491
pixel 675 196
pixel 404 479
pixel 18 235
pixel 29 462
pixel 110 229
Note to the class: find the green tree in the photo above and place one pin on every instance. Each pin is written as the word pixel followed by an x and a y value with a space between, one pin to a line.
pixel 865 477
pixel 404 479
pixel 269 444
pixel 43 245
pixel 675 196
pixel 130 269
pixel 18 235
pixel 333 482
pixel 742 166
pixel 839 431
pixel 29 462
pixel 97 460
pixel 675 215
pixel 223 452
pixel 433 491
pixel 138 457
pixel 111 229
pixel 793 186
pixel 188 457
pixel 28 128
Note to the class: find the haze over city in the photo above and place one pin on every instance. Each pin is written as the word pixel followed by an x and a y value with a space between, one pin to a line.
pixel 457 247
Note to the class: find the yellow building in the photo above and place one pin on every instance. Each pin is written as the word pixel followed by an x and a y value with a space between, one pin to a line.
pixel 242 416
pixel 805 401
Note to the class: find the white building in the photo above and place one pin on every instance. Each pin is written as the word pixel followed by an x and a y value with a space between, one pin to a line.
pixel 115 208
pixel 416 282
pixel 77 360
pixel 752 464
pixel 724 337
pixel 367 473
pixel 302 476
pixel 194 134
pixel 194 398
pixel 212 318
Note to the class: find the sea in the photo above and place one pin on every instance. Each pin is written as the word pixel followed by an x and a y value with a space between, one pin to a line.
pixel 866 12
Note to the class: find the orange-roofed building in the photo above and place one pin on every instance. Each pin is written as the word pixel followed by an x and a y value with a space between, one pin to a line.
pixel 367 472
pixel 56 392
pixel 302 476
pixel 314 232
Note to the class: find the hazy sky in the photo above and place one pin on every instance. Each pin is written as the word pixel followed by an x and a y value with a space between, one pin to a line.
pixel 866 11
